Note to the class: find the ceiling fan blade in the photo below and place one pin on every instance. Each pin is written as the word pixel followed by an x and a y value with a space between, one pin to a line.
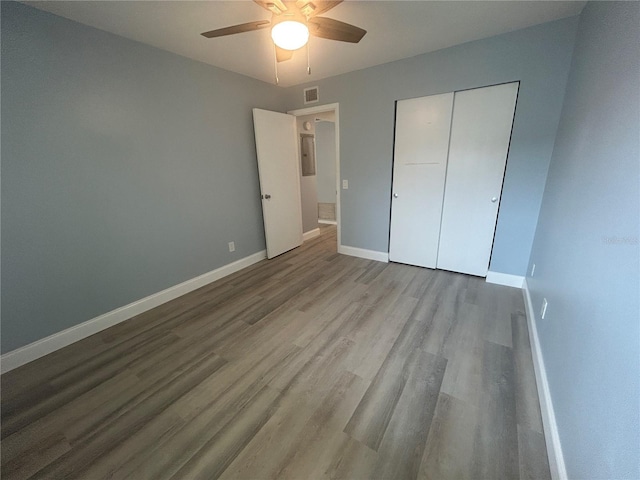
pixel 283 55
pixel 334 30
pixel 274 6
pixel 243 27
pixel 311 8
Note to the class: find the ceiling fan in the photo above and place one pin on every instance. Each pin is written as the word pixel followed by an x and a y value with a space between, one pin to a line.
pixel 292 22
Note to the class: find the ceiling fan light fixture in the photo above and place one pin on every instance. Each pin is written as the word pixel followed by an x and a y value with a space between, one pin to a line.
pixel 290 34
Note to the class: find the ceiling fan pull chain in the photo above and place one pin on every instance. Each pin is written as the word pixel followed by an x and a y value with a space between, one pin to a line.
pixel 308 60
pixel 275 62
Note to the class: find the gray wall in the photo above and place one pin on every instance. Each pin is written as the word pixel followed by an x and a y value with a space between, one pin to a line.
pixel 125 170
pixel 538 56
pixel 326 161
pixel 308 184
pixel 586 251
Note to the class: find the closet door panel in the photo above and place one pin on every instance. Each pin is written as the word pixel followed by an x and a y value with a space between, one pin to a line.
pixel 419 168
pixel 480 135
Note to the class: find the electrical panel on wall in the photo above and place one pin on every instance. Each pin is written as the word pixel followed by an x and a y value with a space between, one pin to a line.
pixel 307 154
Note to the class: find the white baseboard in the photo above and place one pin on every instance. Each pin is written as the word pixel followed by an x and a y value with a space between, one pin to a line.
pixel 363 253
pixel 50 344
pixel 505 279
pixel 552 437
pixel 310 234
pixel 327 222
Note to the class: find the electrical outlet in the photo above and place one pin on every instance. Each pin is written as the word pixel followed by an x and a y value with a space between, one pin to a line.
pixel 533 269
pixel 345 184
pixel 543 311
pixel 232 246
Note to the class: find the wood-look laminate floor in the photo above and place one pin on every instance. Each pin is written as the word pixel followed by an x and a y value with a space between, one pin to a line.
pixel 311 365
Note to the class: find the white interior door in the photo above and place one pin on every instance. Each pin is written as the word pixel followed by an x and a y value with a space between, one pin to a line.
pixel 279 171
pixel 480 135
pixel 419 168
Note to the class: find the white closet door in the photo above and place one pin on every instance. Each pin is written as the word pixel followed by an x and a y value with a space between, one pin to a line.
pixel 480 135
pixel 419 167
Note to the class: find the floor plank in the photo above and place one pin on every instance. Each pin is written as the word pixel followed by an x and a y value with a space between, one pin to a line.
pixel 534 464
pixel 400 451
pixel 496 434
pixel 449 451
pixel 527 408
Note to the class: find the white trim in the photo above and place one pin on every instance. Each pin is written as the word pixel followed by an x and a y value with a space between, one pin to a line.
pixel 505 279
pixel 49 344
pixel 363 253
pixel 327 222
pixel 552 437
pixel 310 234
pixel 317 109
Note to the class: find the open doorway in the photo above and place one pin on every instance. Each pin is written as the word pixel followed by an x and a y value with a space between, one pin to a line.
pixel 318 128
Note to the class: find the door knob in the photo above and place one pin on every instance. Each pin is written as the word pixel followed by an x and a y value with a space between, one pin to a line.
pixel 494 199
pixel 395 195
pixel 266 197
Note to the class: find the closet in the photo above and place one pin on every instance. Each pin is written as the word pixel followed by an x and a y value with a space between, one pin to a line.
pixel 449 160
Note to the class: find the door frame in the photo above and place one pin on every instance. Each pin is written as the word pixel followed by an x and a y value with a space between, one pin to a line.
pixel 331 107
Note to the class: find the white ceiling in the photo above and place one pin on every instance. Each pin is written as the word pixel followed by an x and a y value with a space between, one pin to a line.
pixel 395 30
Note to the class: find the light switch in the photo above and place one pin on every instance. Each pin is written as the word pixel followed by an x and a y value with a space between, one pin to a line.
pixel 345 184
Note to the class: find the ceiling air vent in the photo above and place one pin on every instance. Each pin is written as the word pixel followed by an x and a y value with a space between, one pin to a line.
pixel 311 95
